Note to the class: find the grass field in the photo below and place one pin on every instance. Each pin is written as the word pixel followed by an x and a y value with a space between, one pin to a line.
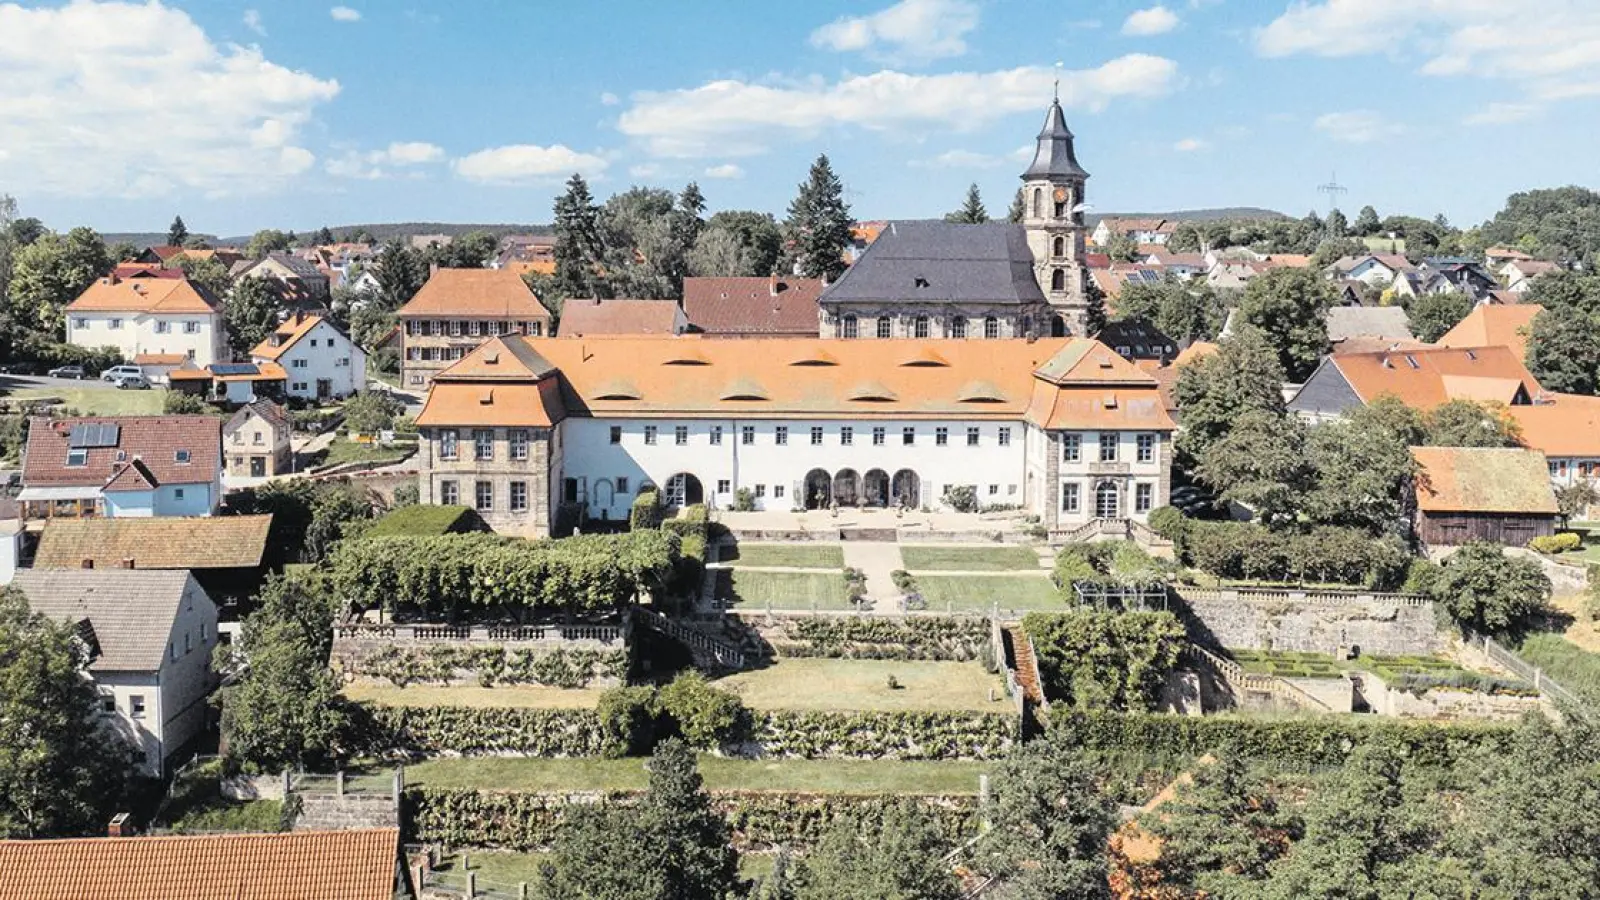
pixel 863 684
pixel 1590 551
pixel 347 451
pixel 96 401
pixel 979 593
pixel 783 590
pixel 998 558
pixel 1573 667
pixel 837 776
pixel 519 695
pixel 794 556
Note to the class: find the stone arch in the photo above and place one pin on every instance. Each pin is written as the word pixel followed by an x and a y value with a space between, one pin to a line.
pixel 1058 326
pixel 1059 246
pixel 1038 202
pixel 683 489
pixel 905 489
pixel 818 488
pixel 1107 500
pixel 1058 279
pixel 875 488
pixel 847 487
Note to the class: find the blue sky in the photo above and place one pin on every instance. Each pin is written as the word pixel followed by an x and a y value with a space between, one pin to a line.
pixel 242 115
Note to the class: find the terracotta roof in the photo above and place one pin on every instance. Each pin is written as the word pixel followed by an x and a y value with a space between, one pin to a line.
pixel 165 251
pixel 275 416
pixel 150 295
pixel 1290 260
pixel 1426 378
pixel 154 440
pixel 480 293
pixel 130 611
pixel 1161 256
pixel 1532 268
pixel 778 307
pixel 306 865
pixel 604 317
pixel 1494 325
pixel 1505 253
pixel 1484 480
pixel 530 267
pixel 264 371
pixel 1196 350
pixel 131 476
pixel 144 270
pixel 1561 425
pixel 163 542
pixel 1097 260
pixel 159 359
pixel 287 333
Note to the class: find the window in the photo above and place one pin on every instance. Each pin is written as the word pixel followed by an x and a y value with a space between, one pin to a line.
pixel 1058 280
pixel 115 324
pixel 994 489
pixel 1146 448
pixel 257 438
pixel 816 435
pixel 780 435
pixel 1143 496
pixel 622 485
pixel 181 456
pixel 163 327
pixel 919 327
pixel 188 645
pixel 191 328
pixel 518 439
pixel 941 437
pixel 747 434
pixel 449 493
pixel 958 327
pixel 777 491
pixel 1071 447
pixel 1005 437
pixel 1107 501
pixel 616 434
pixel 847 435
pixel 77 456
pixel 1011 490
pixel 483 443
pixel 991 327
pixel 136 706
pixel 177 493
pixel 852 328
pixel 474 328
pixel 483 495
pixel 724 486
pixel 108 703
pixel 973 435
pixel 680 435
pixel 343 362
pixel 1069 498
pixel 447 443
pixel 885 326
pixel 238 437
pixel 1060 247
pixel 1038 202
pixel 1108 446
pixel 761 490
pixel 455 327
pixel 877 437
pixel 535 328
pixel 716 434
pixel 908 435
pixel 80 323
pixel 518 499
pixel 299 364
pixel 650 434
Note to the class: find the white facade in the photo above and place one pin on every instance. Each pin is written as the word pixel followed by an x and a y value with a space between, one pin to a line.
pixel 322 363
pixel 199 336
pixel 165 500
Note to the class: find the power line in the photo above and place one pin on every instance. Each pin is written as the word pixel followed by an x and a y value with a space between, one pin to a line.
pixel 1333 189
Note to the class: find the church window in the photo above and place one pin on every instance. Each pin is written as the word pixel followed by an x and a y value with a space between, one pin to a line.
pixel 1060 247
pixel 958 327
pixel 1038 202
pixel 991 327
pixel 919 328
pixel 851 328
pixel 1058 280
pixel 885 327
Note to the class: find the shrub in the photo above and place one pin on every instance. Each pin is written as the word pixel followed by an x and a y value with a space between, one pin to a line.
pixel 1551 544
pixel 1169 522
pixel 370 412
pixel 630 717
pixel 961 497
pixel 1420 576
pixel 405 495
pixel 475 731
pixel 903 581
pixel 744 500
pixel 1484 589
pixel 1092 658
pixel 706 717
pixel 646 511
pixel 183 403
pixel 1245 550
pixel 886 735
pixel 695 521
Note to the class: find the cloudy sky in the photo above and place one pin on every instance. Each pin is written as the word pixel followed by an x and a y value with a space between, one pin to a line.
pixel 243 115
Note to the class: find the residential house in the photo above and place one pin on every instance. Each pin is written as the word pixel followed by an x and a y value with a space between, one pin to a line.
pixel 126 270
pixel 121 466
pixel 1566 429
pixel 232 383
pixel 458 309
pixel 158 254
pixel 1061 427
pixel 1148 230
pixel 149 636
pixel 1233 273
pixel 321 360
pixel 226 554
pixel 300 282
pixel 1496 257
pixel 1421 379
pixel 1179 265
pixel 149 315
pixel 430 241
pixel 305 865
pixel 157 367
pixel 256 441
pixel 596 318
pixel 862 234
pixel 1494 325
pixel 1374 269
pixel 1351 325
pixel 1482 494
pixel 13 538
pixel 1137 339
pixel 522 248
pixel 1519 274
pixel 364 284
pixel 752 307
pixel 1460 274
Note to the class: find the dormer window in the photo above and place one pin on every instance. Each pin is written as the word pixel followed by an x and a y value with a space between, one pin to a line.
pixel 181 456
pixel 77 456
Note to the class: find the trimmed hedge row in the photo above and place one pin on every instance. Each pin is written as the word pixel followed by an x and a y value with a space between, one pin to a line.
pixel 861 637
pixel 529 821
pixel 478 731
pixel 885 735
pixel 491 665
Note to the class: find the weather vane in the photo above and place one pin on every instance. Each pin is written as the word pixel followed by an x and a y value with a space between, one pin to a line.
pixel 1058 82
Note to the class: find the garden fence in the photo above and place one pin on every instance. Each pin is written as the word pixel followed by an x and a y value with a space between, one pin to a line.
pixel 1534 675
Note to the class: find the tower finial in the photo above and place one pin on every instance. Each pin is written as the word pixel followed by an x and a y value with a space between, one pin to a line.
pixel 1057 91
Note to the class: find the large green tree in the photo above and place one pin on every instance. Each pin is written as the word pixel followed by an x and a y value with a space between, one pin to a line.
pixel 252 311
pixel 1367 223
pixel 1183 311
pixel 1468 423
pixel 1484 589
pixel 1434 314
pixel 1551 223
pixel 1261 463
pixel 472 250
pixel 756 236
pixel 972 211
pixel 177 232
pixel 50 273
pixel 1050 824
pixel 62 770
pixel 1290 306
pixel 897 856
pixel 268 240
pixel 1360 468
pixel 400 272
pixel 208 272
pixel 580 248
pixel 819 224
pixel 1564 339
pixel 1221 830
pixel 1214 391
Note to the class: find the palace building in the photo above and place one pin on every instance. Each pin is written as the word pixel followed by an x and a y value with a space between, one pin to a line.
pixel 1063 428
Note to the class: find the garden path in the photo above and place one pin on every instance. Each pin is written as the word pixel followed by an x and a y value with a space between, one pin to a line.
pixel 876 559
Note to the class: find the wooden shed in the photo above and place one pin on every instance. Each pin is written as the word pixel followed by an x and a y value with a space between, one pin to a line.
pixel 1482 494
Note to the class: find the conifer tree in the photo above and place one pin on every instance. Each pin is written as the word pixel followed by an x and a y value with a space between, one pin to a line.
pixel 579 248
pixel 177 232
pixel 819 223
pixel 972 211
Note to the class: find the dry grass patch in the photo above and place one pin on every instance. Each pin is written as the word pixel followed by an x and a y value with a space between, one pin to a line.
pixel 517 695
pixel 863 684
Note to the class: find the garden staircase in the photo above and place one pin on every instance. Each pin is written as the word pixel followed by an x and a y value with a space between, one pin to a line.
pixel 709 652
pixel 1027 667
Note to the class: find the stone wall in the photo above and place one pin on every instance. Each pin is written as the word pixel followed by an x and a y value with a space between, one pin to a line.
pixel 1447 703
pixel 356 646
pixel 1305 621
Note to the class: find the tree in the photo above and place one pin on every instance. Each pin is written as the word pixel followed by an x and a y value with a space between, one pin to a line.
pixel 1434 314
pixel 26 230
pixel 1361 466
pixel 208 273
pixel 1260 463
pixel 819 224
pixel 177 232
pixel 1181 311
pixel 61 772
pixel 759 237
pixel 1094 312
pixel 340 510
pixel 718 253
pixel 1367 223
pixel 1050 824
pixel 268 240
pixel 1336 225
pixel 1575 499
pixel 1564 349
pixel 1014 214
pixel 50 273
pixel 183 403
pixel 472 250
pixel 323 237
pixel 370 412
pixel 1220 831
pixel 1186 238
pixel 251 313
pixel 1214 391
pixel 647 236
pixel 971 211
pixel 898 857
pixel 579 250
pixel 1486 590
pixel 1122 248
pixel 400 273
pixel 1559 223
pixel 1468 423
pixel 1290 306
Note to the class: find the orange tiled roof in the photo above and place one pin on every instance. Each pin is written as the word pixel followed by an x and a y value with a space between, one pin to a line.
pixel 287 333
pixel 581 318
pixel 479 293
pixel 1196 350
pixel 310 865
pixel 1426 378
pixel 1494 325
pixel 1483 480
pixel 530 267
pixel 159 359
pixel 1561 425
pixel 149 295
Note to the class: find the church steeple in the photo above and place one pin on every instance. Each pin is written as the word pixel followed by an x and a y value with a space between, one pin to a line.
pixel 1052 218
pixel 1055 156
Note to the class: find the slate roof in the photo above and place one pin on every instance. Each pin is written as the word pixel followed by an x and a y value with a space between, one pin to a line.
pixel 153 440
pixel 1054 157
pixel 306 865
pixel 1139 336
pixel 131 611
pixel 1386 322
pixel 161 542
pixel 275 416
pixel 581 317
pixel 1483 480
pixel 928 261
pixel 752 307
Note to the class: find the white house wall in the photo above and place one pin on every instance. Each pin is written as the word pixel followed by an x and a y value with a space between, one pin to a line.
pixel 332 357
pixel 139 333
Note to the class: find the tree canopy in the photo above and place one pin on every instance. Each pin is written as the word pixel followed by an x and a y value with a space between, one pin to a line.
pixel 1483 588
pixel 819 224
pixel 1290 306
pixel 972 211
pixel 50 273
pixel 1434 314
pixel 1564 339
pixel 1214 391
pixel 1183 311
pixel 177 232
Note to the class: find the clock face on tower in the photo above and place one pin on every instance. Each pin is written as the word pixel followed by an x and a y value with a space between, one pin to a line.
pixel 1061 195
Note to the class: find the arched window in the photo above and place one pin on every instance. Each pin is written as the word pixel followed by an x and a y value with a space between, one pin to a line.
pixel 1058 280
pixel 958 327
pixel 991 327
pixel 1038 202
pixel 852 329
pixel 1060 247
pixel 885 327
pixel 1107 501
pixel 919 328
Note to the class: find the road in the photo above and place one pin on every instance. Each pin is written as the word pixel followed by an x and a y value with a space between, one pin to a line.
pixel 10 383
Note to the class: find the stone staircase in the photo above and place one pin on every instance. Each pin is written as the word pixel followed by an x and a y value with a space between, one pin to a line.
pixel 1027 667
pixel 709 652
pixel 330 812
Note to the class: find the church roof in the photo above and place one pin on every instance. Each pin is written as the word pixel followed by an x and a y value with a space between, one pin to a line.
pixel 1055 156
pixel 942 262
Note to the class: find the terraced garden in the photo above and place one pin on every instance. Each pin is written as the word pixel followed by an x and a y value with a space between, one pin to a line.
pixel 865 684
pixel 992 558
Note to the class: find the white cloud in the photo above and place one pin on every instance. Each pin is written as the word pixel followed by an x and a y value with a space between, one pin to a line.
pixel 731 117
pixel 345 14
pixel 911 30
pixel 1146 22
pixel 726 170
pixel 384 163
pixel 971 159
pixel 1503 114
pixel 1360 126
pixel 609 99
pixel 252 21
pixel 524 163
pixel 644 170
pixel 1191 145
pixel 89 110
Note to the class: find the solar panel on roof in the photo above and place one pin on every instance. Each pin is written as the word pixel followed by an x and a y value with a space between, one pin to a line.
pixel 93 434
pixel 234 369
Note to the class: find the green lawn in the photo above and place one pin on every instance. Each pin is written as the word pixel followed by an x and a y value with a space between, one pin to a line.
pixel 783 590
pixel 792 556
pixel 829 776
pixel 980 593
pixel 1589 553
pixel 343 450
pixel 95 401
pixel 519 695
pixel 1573 667
pixel 997 558
pixel 863 684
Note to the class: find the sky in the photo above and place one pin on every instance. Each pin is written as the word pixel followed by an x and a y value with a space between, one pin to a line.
pixel 296 114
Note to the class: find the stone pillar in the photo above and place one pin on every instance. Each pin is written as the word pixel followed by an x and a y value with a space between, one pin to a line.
pixel 1051 516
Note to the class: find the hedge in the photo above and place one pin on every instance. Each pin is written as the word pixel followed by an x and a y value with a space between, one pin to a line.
pixel 1093 658
pixel 528 821
pixel 646 512
pixel 862 637
pixel 884 735
pixel 490 665
pixel 1328 554
pixel 476 731
pixel 426 520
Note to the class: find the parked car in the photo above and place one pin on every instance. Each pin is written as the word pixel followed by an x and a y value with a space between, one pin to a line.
pixel 66 372
pixel 116 373
pixel 19 368
pixel 132 383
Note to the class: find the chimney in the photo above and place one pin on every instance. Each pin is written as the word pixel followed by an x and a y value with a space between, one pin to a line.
pixel 299 316
pixel 433 269
pixel 121 825
pixel 772 284
pixel 126 563
pixel 87 564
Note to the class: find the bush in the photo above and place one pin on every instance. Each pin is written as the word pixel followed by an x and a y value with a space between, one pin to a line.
pixel 1484 589
pixel 1245 550
pixel 476 731
pixel 903 581
pixel 1551 544
pixel 694 521
pixel 886 735
pixel 853 637
pixel 1169 522
pixel 744 500
pixel 407 494
pixel 631 720
pixel 1420 576
pixel 961 497
pixel 706 717
pixel 1097 659
pixel 183 403
pixel 646 511
pixel 490 665
pixel 370 412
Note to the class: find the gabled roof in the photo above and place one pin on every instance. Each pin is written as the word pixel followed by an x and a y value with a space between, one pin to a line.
pixel 942 262
pixel 1561 425
pixel 1483 480
pixel 156 441
pixel 1384 322
pixel 1426 378
pixel 298 266
pixel 131 476
pixel 132 611
pixel 148 295
pixel 620 316
pixel 288 332
pixel 302 865
pixel 1494 325
pixel 161 542
pixel 478 293
pixel 274 415
pixel 757 307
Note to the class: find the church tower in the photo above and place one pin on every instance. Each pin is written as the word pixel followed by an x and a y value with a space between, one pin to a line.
pixel 1052 216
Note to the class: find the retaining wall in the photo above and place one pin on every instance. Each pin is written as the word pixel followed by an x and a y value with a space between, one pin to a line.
pixel 1389 624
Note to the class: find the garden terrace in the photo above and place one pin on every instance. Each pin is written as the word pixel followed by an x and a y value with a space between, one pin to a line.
pixel 1008 593
pixel 864 685
pixel 473 697
pixel 785 556
pixel 843 776
pixel 562 656
pixel 988 558
pixel 746 589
